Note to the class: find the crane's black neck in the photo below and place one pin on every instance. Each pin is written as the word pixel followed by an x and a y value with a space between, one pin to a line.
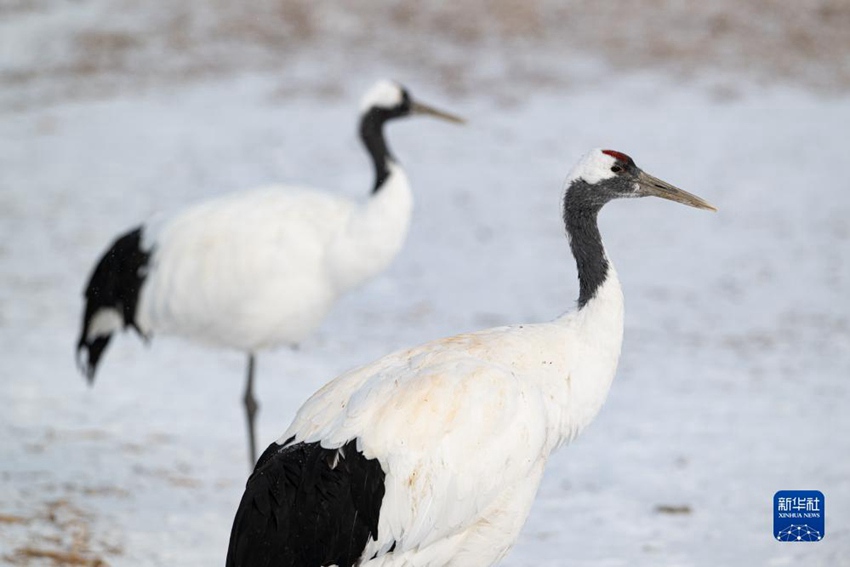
pixel 372 134
pixel 581 208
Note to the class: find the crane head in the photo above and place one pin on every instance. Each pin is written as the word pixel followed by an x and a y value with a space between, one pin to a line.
pixel 393 100
pixel 604 175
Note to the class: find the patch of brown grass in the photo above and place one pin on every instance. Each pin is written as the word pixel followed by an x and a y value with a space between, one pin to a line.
pixel 59 532
pixel 10 519
pixel 25 554
pixel 673 510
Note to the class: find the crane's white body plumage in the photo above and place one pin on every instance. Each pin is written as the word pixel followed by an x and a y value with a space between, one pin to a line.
pixel 463 427
pixel 260 269
pixel 452 436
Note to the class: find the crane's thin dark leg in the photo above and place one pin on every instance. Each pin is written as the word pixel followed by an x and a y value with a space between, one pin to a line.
pixel 251 407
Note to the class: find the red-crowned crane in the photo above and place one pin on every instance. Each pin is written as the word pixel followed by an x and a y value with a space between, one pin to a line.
pixel 432 456
pixel 257 269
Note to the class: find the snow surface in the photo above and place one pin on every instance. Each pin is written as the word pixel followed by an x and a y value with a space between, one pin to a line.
pixel 733 382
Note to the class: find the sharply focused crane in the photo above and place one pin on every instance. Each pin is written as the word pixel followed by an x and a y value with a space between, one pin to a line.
pixel 432 456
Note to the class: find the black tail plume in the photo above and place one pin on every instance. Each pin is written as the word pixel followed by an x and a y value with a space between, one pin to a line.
pixel 112 295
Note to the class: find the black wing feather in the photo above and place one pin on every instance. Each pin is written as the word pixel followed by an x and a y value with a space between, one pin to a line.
pixel 307 506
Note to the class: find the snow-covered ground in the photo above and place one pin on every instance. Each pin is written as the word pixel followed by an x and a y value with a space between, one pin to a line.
pixel 734 377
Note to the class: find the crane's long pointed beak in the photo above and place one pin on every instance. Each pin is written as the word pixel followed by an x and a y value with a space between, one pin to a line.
pixel 419 108
pixel 651 185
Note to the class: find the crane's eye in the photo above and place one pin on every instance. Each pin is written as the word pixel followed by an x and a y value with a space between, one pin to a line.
pixel 616 168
